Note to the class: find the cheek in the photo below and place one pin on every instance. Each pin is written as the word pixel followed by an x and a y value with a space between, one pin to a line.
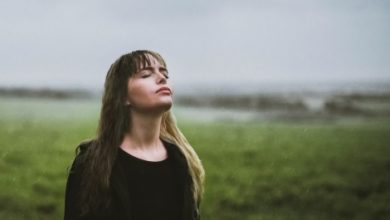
pixel 138 92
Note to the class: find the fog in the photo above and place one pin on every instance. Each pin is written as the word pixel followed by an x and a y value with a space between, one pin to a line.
pixel 71 44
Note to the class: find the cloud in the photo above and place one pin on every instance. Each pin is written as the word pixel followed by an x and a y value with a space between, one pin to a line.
pixel 65 43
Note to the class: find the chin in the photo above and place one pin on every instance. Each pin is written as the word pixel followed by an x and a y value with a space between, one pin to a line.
pixel 157 107
pixel 161 107
pixel 166 106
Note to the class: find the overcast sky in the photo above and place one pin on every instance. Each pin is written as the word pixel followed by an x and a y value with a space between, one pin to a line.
pixel 73 43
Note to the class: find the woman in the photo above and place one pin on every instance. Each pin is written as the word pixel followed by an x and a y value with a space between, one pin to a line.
pixel 140 166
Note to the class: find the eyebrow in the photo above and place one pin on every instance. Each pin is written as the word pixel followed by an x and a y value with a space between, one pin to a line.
pixel 151 69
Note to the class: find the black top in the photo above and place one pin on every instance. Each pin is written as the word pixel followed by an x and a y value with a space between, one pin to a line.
pixel 153 186
pixel 137 187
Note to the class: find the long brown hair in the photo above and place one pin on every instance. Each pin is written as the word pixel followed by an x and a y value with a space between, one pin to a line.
pixel 114 122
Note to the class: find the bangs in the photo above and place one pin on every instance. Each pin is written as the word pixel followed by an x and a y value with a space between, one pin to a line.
pixel 142 60
pixel 129 64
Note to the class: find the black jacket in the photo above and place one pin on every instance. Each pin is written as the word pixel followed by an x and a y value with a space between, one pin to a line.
pixel 120 208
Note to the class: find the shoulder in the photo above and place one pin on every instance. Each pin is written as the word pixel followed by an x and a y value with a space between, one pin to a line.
pixel 173 150
pixel 177 156
pixel 81 154
pixel 84 145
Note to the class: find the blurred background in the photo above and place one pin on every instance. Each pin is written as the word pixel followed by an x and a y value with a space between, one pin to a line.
pixel 286 102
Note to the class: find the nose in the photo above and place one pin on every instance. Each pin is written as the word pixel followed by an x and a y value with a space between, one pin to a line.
pixel 161 78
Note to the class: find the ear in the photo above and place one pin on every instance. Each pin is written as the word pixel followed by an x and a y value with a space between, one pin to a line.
pixel 126 102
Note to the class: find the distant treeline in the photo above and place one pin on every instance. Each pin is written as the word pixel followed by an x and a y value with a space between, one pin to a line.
pixel 358 103
pixel 337 103
pixel 263 102
pixel 44 93
pixel 342 104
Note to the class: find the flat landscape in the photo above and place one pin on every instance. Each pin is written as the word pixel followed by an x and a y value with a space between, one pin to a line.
pixel 255 168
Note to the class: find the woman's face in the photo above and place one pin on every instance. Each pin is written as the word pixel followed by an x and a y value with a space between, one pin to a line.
pixel 148 90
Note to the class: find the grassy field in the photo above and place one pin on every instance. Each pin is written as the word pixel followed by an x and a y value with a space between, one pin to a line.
pixel 254 170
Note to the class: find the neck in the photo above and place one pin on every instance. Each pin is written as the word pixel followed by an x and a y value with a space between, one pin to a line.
pixel 144 131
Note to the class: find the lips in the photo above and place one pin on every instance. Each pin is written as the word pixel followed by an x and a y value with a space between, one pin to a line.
pixel 164 89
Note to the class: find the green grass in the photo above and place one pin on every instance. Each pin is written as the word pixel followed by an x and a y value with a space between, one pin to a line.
pixel 254 170
pixel 294 171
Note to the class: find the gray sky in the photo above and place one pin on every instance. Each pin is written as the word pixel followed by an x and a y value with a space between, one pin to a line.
pixel 72 43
